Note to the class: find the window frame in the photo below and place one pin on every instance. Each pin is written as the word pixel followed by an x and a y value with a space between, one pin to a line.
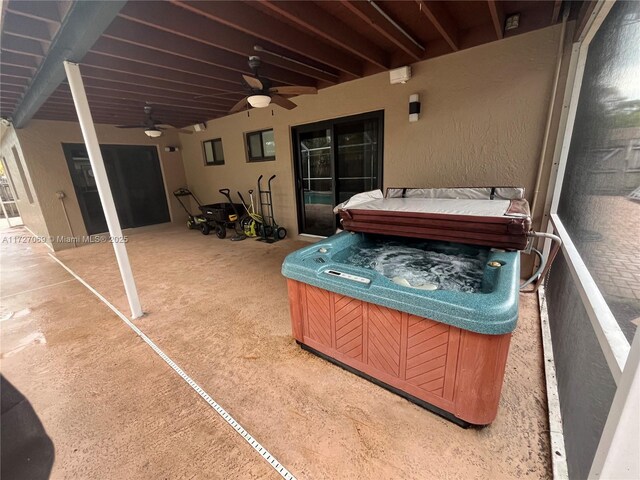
pixel 216 161
pixel 247 146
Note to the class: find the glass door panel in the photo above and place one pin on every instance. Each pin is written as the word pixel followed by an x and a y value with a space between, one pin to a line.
pixel 317 181
pixel 357 158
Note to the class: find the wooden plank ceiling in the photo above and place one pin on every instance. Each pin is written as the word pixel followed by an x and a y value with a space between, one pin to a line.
pixel 186 57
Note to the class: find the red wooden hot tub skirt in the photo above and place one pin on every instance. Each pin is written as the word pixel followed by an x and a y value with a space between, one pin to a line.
pixel 454 370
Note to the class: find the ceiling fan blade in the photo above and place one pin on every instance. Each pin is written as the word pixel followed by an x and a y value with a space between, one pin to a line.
pixel 253 82
pixel 283 102
pixel 239 106
pixel 168 126
pixel 294 90
pixel 131 126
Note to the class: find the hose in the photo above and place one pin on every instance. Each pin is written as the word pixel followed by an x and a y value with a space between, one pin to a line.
pixel 538 271
pixel 545 264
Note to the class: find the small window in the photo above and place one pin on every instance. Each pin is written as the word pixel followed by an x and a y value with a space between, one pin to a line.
pixel 213 154
pixel 261 146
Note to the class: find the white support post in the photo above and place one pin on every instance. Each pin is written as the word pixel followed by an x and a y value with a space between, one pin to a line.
pixel 102 182
pixel 618 454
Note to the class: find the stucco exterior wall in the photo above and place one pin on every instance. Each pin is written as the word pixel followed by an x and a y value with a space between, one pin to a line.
pixel 30 211
pixel 482 123
pixel 42 146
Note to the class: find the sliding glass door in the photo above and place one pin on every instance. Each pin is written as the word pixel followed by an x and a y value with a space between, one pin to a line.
pixel 335 160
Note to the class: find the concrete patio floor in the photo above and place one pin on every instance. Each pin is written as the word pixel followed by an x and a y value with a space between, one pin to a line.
pixel 114 409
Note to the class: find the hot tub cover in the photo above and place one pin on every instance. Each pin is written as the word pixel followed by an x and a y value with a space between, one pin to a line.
pixel 496 217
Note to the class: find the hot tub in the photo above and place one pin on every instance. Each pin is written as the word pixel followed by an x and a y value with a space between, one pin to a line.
pixel 429 320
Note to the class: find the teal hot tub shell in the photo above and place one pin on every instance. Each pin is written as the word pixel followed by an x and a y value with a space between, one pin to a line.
pixel 492 310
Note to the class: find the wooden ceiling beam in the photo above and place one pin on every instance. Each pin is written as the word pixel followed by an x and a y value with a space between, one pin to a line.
pixel 101 96
pixel 10 95
pixel 225 80
pixel 10 88
pixel 7 110
pixel 149 37
pixel 21 45
pixel 20 72
pixel 149 93
pixel 89 71
pixel 18 60
pixel 117 120
pixel 181 79
pixel 115 98
pixel 105 89
pixel 134 111
pixel 128 116
pixel 164 116
pixel 11 80
pixel 46 11
pixel 119 103
pixel 25 27
pixel 497 17
pixel 441 20
pixel 123 119
pixel 246 21
pixel 114 106
pixel 310 17
pixel 175 20
pixel 367 12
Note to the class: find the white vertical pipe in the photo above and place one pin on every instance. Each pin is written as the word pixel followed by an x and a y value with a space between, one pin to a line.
pixel 102 182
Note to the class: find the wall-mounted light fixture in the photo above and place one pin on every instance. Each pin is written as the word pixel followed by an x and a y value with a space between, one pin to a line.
pixel 414 107
pixel 171 149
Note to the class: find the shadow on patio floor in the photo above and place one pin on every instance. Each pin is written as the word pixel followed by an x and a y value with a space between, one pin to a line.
pixel 27 450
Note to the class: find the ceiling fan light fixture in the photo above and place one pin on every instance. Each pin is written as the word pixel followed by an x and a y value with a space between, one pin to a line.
pixel 259 101
pixel 153 133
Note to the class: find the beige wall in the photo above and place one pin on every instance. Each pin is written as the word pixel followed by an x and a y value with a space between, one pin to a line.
pixel 482 121
pixel 42 141
pixel 30 212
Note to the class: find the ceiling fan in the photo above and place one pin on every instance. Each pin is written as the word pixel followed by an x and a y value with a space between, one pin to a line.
pixel 262 94
pixel 153 127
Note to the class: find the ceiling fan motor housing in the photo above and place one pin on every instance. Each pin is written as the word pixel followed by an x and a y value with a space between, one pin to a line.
pixel 254 63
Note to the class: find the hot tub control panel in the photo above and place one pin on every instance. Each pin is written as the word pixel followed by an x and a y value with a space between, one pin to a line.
pixel 348 276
